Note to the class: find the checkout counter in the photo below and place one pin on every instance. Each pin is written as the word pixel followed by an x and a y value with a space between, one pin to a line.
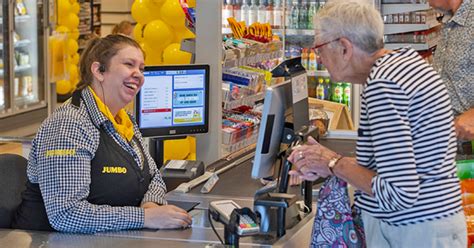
pixel 235 184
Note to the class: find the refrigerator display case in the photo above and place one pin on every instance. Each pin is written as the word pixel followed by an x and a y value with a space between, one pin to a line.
pixel 23 84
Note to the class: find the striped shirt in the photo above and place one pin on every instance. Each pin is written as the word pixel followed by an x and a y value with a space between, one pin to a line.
pixel 60 161
pixel 407 136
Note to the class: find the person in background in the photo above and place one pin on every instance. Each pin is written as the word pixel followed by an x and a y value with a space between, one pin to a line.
pixel 124 27
pixel 454 60
pixel 404 170
pixel 88 169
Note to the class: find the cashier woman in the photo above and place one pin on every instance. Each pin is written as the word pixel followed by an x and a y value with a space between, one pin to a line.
pixel 88 170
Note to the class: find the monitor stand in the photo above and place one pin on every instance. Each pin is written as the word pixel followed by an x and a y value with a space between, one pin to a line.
pixel 157 148
pixel 281 200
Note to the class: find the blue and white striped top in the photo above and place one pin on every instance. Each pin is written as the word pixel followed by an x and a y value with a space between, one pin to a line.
pixel 407 136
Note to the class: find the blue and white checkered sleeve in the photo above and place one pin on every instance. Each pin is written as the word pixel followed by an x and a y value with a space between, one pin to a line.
pixel 66 146
pixel 157 188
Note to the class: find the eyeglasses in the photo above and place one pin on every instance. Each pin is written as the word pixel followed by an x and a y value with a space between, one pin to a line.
pixel 316 48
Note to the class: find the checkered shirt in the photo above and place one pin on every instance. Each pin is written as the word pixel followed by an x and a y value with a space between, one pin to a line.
pixel 64 179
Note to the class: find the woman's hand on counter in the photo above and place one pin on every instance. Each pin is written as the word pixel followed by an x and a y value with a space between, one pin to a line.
pixel 166 217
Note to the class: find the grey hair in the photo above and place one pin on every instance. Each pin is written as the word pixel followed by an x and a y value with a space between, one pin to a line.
pixel 356 20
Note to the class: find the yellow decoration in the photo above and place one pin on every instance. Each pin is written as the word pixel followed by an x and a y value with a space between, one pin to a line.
pixel 75 59
pixel 64 6
pixel 72 47
pixel 158 33
pixel 62 30
pixel 183 33
pixel 73 72
pixel 75 8
pixel 138 32
pixel 74 34
pixel 153 55
pixel 63 87
pixel 173 55
pixel 70 20
pixel 142 13
pixel 172 13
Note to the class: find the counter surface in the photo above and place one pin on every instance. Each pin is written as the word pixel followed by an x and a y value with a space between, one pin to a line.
pixel 235 184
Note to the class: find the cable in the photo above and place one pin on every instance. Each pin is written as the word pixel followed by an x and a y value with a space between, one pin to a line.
pixel 213 228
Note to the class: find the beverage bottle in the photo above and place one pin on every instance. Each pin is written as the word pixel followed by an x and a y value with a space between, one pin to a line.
pixel 311 12
pixel 346 94
pixel 303 15
pixel 304 59
pixel 253 13
pixel 320 91
pixel 295 15
pixel 270 13
pixel 227 11
pixel 245 12
pixel 277 15
pixel 261 12
pixel 237 13
pixel 337 94
pixel 312 61
pixel 328 89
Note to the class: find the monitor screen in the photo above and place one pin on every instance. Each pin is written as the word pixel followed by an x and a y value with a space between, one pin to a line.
pixel 286 102
pixel 174 100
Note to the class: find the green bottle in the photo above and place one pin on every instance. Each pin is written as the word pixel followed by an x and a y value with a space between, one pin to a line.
pixel 337 93
pixel 346 94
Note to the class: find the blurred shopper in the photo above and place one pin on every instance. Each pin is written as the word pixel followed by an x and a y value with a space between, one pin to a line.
pixel 88 170
pixel 124 27
pixel 454 61
pixel 404 170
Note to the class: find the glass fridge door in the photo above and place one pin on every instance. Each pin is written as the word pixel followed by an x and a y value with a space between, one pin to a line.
pixel 3 55
pixel 28 76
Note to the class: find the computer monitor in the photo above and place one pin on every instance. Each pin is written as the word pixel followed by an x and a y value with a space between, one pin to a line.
pixel 282 102
pixel 173 101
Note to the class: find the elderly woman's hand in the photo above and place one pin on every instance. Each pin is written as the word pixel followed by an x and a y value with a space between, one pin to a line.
pixel 310 161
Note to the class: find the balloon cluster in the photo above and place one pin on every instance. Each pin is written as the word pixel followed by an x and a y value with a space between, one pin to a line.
pixel 160 29
pixel 64 47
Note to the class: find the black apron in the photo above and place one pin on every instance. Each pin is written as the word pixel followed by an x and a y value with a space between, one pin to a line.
pixel 116 180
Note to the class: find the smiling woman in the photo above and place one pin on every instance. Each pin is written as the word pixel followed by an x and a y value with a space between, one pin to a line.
pixel 89 149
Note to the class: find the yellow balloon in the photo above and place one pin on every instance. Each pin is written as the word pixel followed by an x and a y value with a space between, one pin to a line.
pixel 72 47
pixel 62 30
pixel 63 87
pixel 75 34
pixel 173 55
pixel 192 3
pixel 64 6
pixel 58 51
pixel 70 20
pixel 172 13
pixel 158 33
pixel 75 59
pixel 183 33
pixel 142 13
pixel 75 8
pixel 138 32
pixel 154 56
pixel 73 71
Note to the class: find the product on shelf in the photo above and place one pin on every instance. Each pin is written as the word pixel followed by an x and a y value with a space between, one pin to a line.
pixel 465 172
pixel 20 8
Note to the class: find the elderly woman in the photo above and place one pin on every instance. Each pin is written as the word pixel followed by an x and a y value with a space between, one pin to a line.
pixel 404 170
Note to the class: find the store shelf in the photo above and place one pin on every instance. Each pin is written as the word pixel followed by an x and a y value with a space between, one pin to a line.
pixel 249 101
pixel 388 9
pixel 416 46
pixel 318 74
pixel 252 59
pixel 404 28
pixel 97 23
pixel 18 44
pixel 18 69
pixel 23 18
